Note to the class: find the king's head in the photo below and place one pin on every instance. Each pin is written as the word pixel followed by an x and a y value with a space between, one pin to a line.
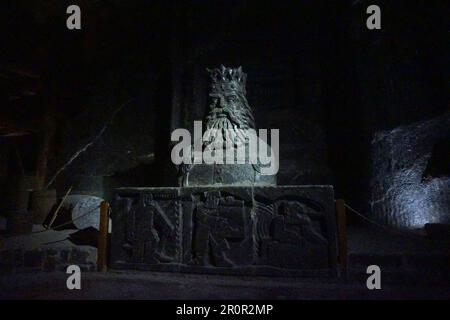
pixel 228 103
pixel 227 80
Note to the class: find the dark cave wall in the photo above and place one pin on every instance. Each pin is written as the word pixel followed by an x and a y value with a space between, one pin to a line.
pixel 395 98
pixel 348 101
pixel 403 194
pixel 288 70
pixel 287 63
pixel 114 95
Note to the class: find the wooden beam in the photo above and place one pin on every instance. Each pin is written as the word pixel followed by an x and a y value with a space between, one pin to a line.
pixel 44 150
pixel 4 158
pixel 342 235
pixel 102 243
pixel 50 89
pixel 11 128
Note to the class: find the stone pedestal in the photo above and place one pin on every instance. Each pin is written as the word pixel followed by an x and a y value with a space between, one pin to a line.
pixel 244 230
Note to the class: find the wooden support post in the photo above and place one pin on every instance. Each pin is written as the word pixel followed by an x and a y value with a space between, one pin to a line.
pixel 102 243
pixel 342 235
pixel 45 144
pixel 4 157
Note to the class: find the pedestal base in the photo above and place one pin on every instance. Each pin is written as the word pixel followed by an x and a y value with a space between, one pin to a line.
pixel 273 230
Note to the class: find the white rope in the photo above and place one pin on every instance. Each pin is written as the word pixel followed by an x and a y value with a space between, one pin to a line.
pixel 390 229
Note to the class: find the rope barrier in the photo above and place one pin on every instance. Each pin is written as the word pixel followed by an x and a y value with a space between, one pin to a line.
pixel 68 222
pixel 65 223
pixel 401 232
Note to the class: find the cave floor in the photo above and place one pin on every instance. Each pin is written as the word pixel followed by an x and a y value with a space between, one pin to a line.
pixel 411 268
pixel 142 285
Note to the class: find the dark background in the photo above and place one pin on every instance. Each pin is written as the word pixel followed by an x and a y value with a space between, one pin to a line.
pixel 363 110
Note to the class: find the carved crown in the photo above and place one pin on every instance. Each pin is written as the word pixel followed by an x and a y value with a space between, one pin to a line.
pixel 227 80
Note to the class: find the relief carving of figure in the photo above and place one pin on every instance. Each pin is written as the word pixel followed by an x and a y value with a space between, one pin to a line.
pixel 212 231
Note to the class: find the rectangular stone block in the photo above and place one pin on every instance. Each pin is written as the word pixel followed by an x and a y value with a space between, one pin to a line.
pixel 273 230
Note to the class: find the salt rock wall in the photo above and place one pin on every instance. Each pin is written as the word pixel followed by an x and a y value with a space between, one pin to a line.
pixel 408 186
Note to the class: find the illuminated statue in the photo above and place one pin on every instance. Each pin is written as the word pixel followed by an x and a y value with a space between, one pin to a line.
pixel 230 126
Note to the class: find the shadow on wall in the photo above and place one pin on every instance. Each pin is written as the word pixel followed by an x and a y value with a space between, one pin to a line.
pixel 410 183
